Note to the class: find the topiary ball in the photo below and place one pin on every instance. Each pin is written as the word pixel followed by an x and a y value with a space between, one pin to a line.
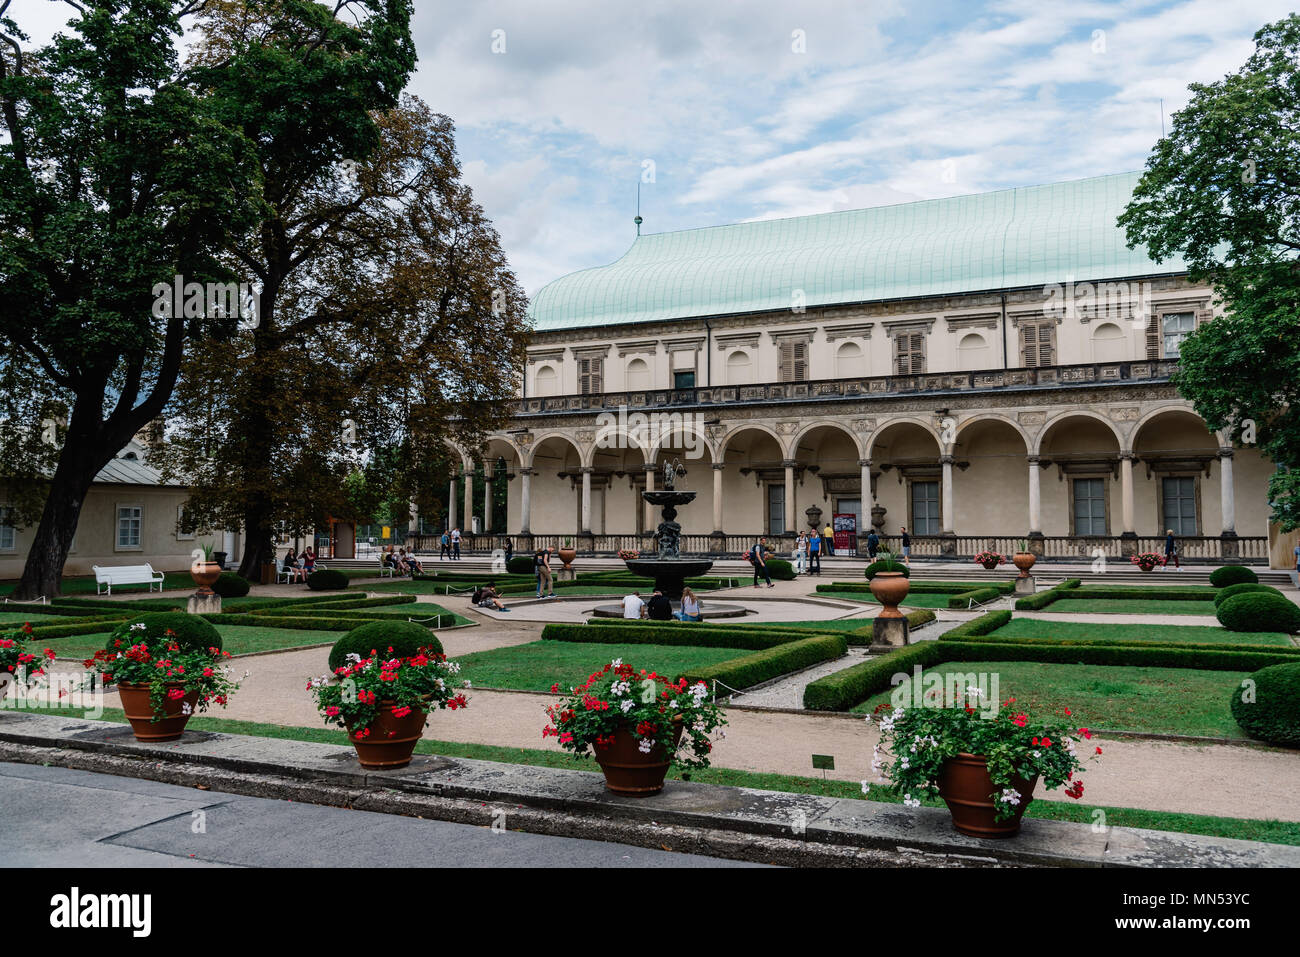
pixel 1225 593
pixel 327 579
pixel 1259 611
pixel 884 565
pixel 1226 575
pixel 406 638
pixel 780 569
pixel 520 565
pixel 190 631
pixel 230 585
pixel 1274 714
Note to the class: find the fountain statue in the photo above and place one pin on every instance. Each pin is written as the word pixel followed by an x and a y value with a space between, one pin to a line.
pixel 668 568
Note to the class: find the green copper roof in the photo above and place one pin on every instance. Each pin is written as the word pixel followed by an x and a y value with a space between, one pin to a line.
pixel 1029 236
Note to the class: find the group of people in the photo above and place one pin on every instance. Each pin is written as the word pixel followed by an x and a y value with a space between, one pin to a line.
pixel 299 566
pixel 401 561
pixel 809 548
pixel 660 608
pixel 450 545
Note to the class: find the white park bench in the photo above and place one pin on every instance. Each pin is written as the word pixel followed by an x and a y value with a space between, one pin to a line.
pixel 126 575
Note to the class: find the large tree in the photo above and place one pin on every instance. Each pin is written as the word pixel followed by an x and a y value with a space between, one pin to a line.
pixel 395 327
pixel 124 168
pixel 1223 191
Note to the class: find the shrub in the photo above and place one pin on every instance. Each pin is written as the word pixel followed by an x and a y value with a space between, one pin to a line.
pixel 1045 598
pixel 780 569
pixel 742 673
pixel 404 637
pixel 1259 611
pixel 843 689
pixel 670 633
pixel 1226 575
pixel 986 623
pixel 520 565
pixel 192 631
pixel 977 595
pixel 327 579
pixel 1237 589
pixel 230 585
pixel 1274 714
pixel 886 565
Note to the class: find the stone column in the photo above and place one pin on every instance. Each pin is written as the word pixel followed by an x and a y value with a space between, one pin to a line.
pixel 718 528
pixel 488 476
pixel 650 523
pixel 948 547
pixel 1229 547
pixel 866 500
pixel 525 501
pixel 413 523
pixel 451 505
pixel 1035 501
pixel 586 500
pixel 469 502
pixel 1126 493
pixel 789 497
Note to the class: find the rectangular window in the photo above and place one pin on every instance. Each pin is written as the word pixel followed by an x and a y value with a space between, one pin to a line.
pixel 684 379
pixel 909 353
pixel 1090 506
pixel 182 536
pixel 8 533
pixel 776 509
pixel 128 526
pixel 1038 344
pixel 591 375
pixel 925 508
pixel 1179 496
pixel 794 361
pixel 1175 327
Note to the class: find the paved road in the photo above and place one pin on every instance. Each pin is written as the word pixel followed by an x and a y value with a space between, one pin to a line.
pixel 73 818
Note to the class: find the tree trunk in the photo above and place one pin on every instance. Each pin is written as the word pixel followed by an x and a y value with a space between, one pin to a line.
pixel 43 571
pixel 258 544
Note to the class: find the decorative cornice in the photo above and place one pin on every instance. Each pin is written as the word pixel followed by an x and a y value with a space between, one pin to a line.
pixel 860 330
pixel 908 325
pixel 988 320
pixel 804 334
pixel 639 347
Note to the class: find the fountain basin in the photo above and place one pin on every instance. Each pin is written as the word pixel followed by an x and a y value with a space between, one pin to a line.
pixel 669 573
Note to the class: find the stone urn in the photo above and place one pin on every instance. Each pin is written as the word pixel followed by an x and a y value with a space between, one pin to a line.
pixel 567 554
pixel 1024 561
pixel 205 573
pixel 890 588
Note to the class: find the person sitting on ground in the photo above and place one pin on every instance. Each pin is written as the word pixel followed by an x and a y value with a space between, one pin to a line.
pixel 659 608
pixel 691 610
pixel 487 597
pixel 633 606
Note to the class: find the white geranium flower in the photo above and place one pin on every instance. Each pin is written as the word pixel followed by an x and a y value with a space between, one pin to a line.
pixel 627 704
pixel 866 787
pixel 1010 796
pixel 645 745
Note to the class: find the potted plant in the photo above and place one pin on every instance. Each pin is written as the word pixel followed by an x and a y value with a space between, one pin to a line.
pixel 383 701
pixel 983 760
pixel 628 554
pixel 17 658
pixel 160 680
pixel 889 584
pixel 1023 558
pixel 990 560
pixel 1147 560
pixel 634 722
pixel 204 570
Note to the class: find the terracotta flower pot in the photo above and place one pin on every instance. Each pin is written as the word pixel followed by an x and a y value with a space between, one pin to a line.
pixel 139 711
pixel 391 740
pixel 1024 561
pixel 204 574
pixel 890 588
pixel 989 566
pixel 567 555
pixel 629 770
pixel 967 789
pixel 1146 566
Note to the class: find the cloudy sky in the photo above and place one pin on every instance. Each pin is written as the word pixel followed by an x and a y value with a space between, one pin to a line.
pixel 732 110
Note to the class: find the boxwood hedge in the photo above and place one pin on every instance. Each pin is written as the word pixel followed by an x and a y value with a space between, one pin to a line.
pixel 1269 710
pixel 1045 598
pixel 405 639
pixel 1225 593
pixel 327 579
pixel 230 585
pixel 844 689
pixel 1259 611
pixel 750 670
pixel 666 633
pixel 1226 575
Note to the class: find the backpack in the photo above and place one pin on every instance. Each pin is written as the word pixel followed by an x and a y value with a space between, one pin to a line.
pixel 477 597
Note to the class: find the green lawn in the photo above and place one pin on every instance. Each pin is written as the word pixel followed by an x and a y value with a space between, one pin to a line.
pixel 442 722
pixel 538 665
pixel 926 600
pixel 86 586
pixel 1163 700
pixel 1075 630
pixel 236 639
pixel 8 618
pixel 1130 606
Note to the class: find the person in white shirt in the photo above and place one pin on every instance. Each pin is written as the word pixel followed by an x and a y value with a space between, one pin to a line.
pixel 633 606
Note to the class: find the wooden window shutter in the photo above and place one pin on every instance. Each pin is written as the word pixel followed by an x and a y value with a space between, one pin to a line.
pixel 799 361
pixel 787 361
pixel 909 353
pixel 1047 343
pixel 1153 338
pixel 597 376
pixel 918 353
pixel 1029 345
pixel 1203 316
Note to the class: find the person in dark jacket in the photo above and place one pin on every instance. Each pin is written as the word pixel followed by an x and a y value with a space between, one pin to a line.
pixel 758 558
pixel 1171 550
pixel 873 544
pixel 659 608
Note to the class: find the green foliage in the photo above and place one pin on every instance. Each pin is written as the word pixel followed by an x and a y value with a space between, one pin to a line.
pixel 843 689
pixel 780 569
pixel 1259 611
pixel 915 619
pixel 403 637
pixel 886 565
pixel 1226 575
pixel 670 633
pixel 327 579
pixel 1044 598
pixel 1274 713
pixel 230 585
pixel 191 631
pixel 520 565
pixel 1237 589
pixel 1220 191
pixel 742 673
pixel 985 624
pixel 977 595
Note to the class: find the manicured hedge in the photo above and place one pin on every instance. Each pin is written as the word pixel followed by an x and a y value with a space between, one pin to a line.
pixel 844 689
pixel 340 603
pixel 1259 611
pixel 1226 575
pixel 108 604
pixel 521 565
pixel 666 633
pixel 327 579
pixel 924 588
pixel 988 622
pixel 190 631
pixel 422 611
pixel 1045 598
pixel 742 673
pixel 1143 593
pixel 230 585
pixel 919 617
pixel 978 595
pixel 1274 713
pixel 405 638
pixel 82 626
pixel 780 569
pixel 1237 589
pixel 340 623
pixel 1122 643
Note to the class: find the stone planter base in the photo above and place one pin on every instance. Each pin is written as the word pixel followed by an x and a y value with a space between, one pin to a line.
pixel 1026 585
pixel 888 634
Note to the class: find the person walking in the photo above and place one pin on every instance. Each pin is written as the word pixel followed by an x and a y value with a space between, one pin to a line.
pixel 873 544
pixel 907 546
pixel 815 553
pixel 510 551
pixel 455 544
pixel 828 540
pixel 801 554
pixel 758 558
pixel 1171 550
pixel 542 567
pixel 446 547
pixel 1295 575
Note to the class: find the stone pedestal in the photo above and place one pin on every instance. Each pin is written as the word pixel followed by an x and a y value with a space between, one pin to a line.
pixel 564 574
pixel 948 544
pixel 1229 546
pixel 888 634
pixel 1128 544
pixel 1026 585
pixel 201 604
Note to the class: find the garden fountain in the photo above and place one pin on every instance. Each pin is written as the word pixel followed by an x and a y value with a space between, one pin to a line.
pixel 668 568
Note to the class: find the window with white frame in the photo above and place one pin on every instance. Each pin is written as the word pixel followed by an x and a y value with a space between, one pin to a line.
pixel 181 534
pixel 1175 327
pixel 130 520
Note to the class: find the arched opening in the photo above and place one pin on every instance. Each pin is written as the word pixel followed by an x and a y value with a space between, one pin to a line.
pixel 546 381
pixel 1085 500
pixel 991 482
pixel 829 479
pixel 555 488
pixel 1108 343
pixel 754 484
pixel 1176 481
pixel 907 476
pixel 973 352
pixel 638 375
pixel 850 361
pixel 740 368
